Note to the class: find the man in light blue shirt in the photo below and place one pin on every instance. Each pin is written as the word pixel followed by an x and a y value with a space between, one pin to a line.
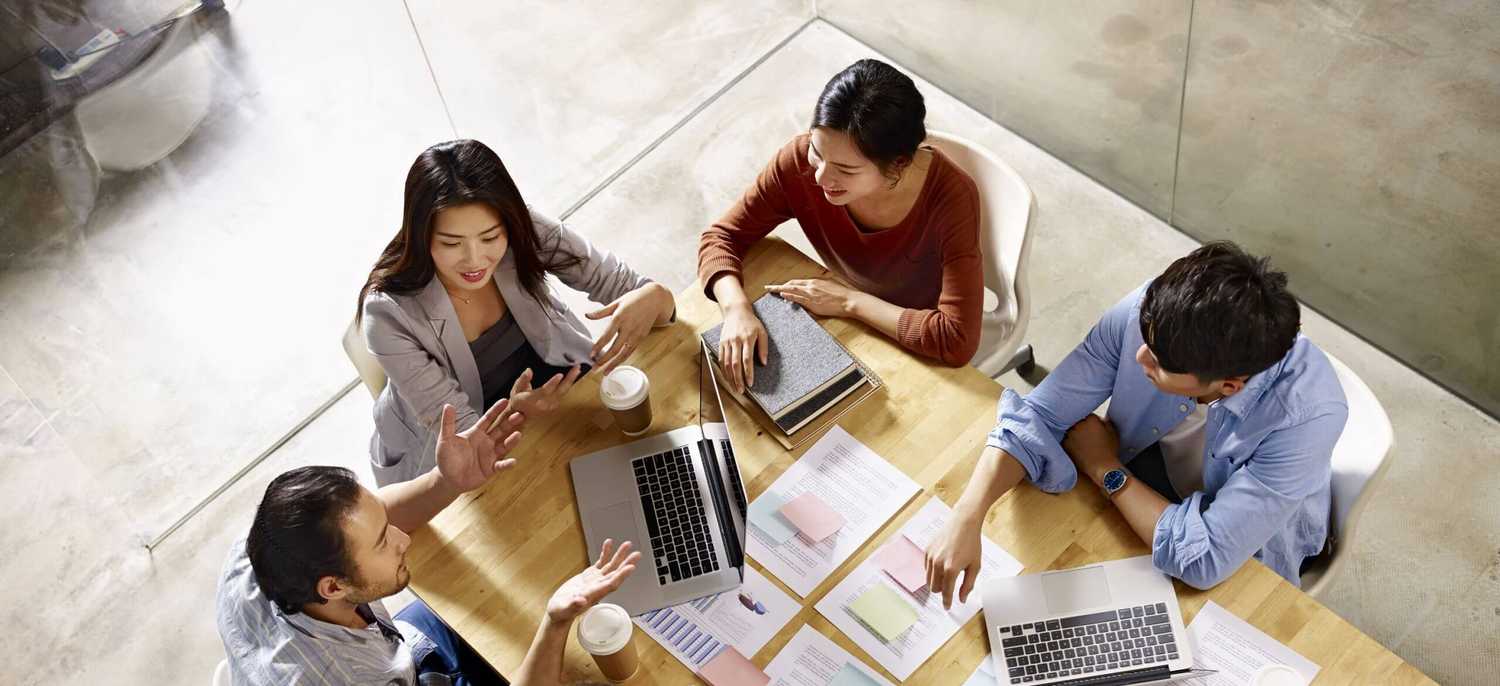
pixel 1222 419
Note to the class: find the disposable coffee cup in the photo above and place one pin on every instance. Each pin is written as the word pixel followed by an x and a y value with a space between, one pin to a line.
pixel 606 632
pixel 627 394
pixel 1278 675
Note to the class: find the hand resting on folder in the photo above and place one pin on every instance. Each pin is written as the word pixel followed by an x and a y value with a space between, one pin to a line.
pixel 744 342
pixel 830 298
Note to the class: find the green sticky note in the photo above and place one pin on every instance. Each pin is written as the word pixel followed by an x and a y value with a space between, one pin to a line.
pixel 852 676
pixel 883 611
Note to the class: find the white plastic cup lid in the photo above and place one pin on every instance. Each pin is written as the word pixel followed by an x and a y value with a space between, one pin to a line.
pixel 604 629
pixel 1278 675
pixel 624 388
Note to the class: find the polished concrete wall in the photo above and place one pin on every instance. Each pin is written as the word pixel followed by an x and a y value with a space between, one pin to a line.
pixel 1357 142
pixel 1098 84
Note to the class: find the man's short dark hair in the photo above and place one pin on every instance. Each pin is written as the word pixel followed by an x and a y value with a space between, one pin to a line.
pixel 298 535
pixel 1219 313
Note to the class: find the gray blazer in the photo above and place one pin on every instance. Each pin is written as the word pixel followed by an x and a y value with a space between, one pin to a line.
pixel 418 340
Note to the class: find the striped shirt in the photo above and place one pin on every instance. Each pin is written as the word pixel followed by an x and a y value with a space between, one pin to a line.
pixel 266 646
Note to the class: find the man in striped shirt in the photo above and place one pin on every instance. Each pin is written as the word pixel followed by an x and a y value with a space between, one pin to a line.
pixel 299 597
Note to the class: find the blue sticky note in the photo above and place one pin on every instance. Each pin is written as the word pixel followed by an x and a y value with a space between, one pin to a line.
pixel 852 676
pixel 764 516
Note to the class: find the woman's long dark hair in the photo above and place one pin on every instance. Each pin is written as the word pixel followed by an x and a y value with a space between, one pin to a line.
pixel 446 175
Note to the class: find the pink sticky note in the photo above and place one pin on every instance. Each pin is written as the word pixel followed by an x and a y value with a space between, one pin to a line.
pixel 730 668
pixel 813 517
pixel 904 561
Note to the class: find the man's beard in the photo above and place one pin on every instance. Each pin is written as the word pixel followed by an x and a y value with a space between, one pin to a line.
pixel 364 593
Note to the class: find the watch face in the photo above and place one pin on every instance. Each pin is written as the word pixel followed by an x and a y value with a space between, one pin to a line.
pixel 1114 480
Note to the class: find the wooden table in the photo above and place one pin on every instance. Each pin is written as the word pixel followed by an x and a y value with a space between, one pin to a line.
pixel 488 563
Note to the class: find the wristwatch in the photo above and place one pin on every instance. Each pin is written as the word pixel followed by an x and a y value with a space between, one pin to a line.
pixel 1114 480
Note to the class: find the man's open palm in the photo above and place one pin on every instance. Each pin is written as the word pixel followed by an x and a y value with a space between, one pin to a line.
pixel 593 583
pixel 467 460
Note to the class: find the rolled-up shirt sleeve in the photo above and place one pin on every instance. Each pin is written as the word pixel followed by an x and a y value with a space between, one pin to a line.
pixel 1204 540
pixel 1031 428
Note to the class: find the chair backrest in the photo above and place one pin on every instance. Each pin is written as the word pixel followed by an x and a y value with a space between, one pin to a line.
pixel 1007 208
pixel 370 371
pixel 1360 455
pixel 137 120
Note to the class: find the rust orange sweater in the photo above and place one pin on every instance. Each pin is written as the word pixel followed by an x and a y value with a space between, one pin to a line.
pixel 928 264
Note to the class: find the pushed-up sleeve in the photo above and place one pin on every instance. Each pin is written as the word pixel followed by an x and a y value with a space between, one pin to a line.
pixel 1031 428
pixel 763 207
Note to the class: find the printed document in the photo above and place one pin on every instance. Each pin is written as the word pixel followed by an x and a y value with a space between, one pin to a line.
pixel 1237 650
pixel 746 618
pixel 934 625
pixel 811 659
pixel 858 485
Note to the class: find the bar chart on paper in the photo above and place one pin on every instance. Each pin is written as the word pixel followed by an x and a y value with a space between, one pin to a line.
pixel 745 618
pixel 690 642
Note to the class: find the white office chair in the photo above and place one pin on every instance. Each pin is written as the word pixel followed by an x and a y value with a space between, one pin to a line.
pixel 1006 210
pixel 370 371
pixel 221 673
pixel 1359 461
pixel 141 118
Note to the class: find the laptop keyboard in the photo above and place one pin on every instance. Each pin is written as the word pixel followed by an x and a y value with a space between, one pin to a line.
pixel 675 518
pixel 1099 642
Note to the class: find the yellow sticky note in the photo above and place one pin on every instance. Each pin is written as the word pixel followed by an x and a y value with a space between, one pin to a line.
pixel 884 611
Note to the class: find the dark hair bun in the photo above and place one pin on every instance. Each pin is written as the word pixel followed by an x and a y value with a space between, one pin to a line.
pixel 879 107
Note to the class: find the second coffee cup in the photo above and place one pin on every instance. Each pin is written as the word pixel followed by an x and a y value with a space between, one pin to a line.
pixel 606 632
pixel 627 394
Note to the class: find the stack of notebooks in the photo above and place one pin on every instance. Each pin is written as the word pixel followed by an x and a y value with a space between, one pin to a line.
pixel 809 378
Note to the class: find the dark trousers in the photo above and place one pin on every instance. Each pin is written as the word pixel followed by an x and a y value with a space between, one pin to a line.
pixel 444 652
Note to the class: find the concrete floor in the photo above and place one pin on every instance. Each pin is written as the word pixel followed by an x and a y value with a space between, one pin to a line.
pixel 160 329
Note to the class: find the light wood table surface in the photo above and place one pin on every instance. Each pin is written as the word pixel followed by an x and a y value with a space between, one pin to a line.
pixel 489 562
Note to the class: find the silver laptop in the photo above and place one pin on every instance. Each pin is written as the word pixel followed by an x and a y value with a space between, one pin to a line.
pixel 1105 624
pixel 679 498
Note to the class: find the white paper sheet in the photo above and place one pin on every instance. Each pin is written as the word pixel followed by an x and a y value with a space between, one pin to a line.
pixel 935 625
pixel 811 659
pixel 745 618
pixel 984 674
pixel 1237 650
pixel 856 483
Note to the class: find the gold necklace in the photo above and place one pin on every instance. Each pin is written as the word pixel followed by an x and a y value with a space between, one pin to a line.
pixel 451 294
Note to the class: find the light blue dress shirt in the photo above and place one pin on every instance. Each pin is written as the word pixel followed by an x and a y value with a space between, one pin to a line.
pixel 1266 449
pixel 267 647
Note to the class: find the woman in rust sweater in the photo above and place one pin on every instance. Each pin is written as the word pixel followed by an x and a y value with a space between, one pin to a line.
pixel 896 222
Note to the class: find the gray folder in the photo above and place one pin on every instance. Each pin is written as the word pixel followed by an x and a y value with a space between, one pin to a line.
pixel 802 357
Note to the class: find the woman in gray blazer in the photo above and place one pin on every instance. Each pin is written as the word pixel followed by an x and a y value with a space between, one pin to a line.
pixel 458 311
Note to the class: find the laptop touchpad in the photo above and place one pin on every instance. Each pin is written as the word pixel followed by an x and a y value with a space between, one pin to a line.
pixel 616 522
pixel 1076 589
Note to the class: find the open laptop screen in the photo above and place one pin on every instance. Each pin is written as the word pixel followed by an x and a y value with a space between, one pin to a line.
pixel 725 484
pixel 710 409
